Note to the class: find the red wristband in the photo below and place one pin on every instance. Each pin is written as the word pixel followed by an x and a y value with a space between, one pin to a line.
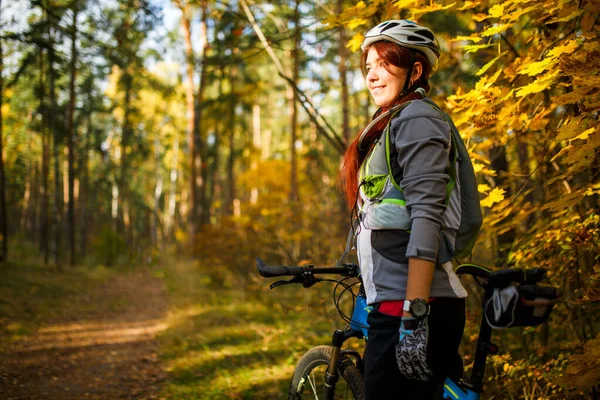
pixel 394 307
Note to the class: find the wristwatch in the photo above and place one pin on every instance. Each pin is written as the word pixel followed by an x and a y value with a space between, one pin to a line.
pixel 418 308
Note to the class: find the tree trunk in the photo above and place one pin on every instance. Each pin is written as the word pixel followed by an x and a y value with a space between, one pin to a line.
pixel 57 205
pixel 29 210
pixel 24 221
pixel 199 138
pixel 30 219
pixel 294 196
pixel 85 184
pixel 255 147
pixel 70 137
pixel 170 219
pixel 123 218
pixel 231 189
pixel 343 70
pixel 157 194
pixel 213 180
pixel 45 190
pixel 3 213
pixel 190 114
pixel 267 133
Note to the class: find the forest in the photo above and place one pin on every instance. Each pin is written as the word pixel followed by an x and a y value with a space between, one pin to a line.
pixel 188 137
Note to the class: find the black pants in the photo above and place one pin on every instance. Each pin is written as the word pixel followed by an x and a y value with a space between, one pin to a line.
pixel 383 379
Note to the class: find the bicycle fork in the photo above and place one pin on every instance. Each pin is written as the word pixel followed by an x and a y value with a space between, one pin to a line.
pixel 332 374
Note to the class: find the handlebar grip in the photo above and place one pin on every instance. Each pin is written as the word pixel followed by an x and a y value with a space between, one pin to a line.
pixel 534 275
pixel 474 269
pixel 270 271
pixel 503 278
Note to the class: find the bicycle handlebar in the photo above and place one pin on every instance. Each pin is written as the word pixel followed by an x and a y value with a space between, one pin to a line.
pixel 504 277
pixel 494 279
pixel 271 271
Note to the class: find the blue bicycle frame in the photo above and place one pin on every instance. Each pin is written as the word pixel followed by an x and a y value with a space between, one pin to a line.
pixel 452 390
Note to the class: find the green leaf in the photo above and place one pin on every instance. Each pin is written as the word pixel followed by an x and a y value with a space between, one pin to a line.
pixel 489 64
pixel 472 48
pixel 495 29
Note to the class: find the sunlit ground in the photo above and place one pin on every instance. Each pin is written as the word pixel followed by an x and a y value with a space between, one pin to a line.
pixel 80 336
pixel 95 333
pixel 236 344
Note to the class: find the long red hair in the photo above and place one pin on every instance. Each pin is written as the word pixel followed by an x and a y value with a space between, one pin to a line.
pixel 391 54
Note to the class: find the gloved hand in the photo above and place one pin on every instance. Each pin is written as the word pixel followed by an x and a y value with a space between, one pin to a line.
pixel 411 350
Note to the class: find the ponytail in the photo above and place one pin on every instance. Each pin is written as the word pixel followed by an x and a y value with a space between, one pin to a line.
pixel 359 149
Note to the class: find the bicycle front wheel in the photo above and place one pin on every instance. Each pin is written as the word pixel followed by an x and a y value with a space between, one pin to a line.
pixel 308 381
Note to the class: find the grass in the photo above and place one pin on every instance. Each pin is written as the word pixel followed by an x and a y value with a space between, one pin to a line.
pixel 227 338
pixel 233 340
pixel 31 293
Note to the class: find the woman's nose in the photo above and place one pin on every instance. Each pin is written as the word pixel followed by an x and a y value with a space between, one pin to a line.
pixel 371 75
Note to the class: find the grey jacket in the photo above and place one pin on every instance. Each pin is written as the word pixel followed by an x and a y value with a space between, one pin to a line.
pixel 419 156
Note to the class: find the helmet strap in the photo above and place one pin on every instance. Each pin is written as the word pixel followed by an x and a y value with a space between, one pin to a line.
pixel 421 91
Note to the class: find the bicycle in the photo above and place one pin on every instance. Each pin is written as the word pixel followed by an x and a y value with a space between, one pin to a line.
pixel 319 369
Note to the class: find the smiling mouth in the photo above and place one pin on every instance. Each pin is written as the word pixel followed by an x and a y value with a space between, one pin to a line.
pixel 377 89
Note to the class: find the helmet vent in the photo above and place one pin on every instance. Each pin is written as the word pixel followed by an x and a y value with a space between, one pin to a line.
pixel 389 26
pixel 412 38
pixel 427 34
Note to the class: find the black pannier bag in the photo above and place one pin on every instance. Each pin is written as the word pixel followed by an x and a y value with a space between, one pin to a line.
pixel 524 305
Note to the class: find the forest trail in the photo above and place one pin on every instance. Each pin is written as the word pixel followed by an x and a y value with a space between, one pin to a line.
pixel 108 350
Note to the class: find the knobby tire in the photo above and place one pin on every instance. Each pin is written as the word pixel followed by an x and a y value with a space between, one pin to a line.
pixel 309 377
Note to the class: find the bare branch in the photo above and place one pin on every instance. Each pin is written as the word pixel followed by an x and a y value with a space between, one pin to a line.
pixel 322 124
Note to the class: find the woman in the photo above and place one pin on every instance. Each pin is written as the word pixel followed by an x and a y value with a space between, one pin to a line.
pixel 395 173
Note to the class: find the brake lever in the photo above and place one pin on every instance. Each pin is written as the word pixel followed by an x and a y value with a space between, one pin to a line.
pixel 307 280
pixel 279 283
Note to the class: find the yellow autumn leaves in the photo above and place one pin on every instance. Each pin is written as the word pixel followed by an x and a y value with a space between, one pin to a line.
pixel 536 90
pixel 495 195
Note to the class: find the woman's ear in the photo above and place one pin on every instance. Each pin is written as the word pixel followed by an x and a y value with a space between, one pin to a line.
pixel 417 71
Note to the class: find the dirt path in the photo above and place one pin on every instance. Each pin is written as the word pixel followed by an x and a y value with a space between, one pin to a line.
pixel 108 352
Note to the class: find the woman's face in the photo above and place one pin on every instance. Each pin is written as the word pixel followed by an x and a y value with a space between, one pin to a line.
pixel 384 81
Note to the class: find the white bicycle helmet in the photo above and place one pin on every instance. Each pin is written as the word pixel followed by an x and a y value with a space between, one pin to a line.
pixel 407 34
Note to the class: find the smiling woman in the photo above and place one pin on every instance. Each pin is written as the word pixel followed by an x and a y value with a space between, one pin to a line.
pixel 385 63
pixel 385 81
pixel 396 172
